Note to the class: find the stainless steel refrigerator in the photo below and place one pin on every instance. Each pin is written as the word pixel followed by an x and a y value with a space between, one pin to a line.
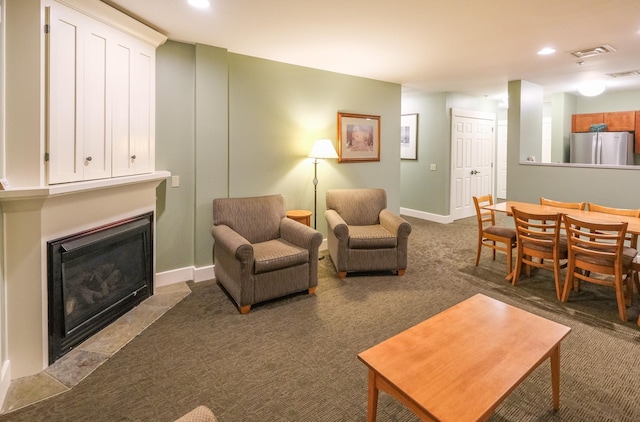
pixel 609 148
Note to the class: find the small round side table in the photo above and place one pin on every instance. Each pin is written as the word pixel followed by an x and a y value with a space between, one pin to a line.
pixel 301 216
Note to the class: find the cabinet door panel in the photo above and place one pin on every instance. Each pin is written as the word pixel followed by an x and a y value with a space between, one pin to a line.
pixel 583 122
pixel 121 163
pixel 143 111
pixel 96 136
pixel 64 136
pixel 622 121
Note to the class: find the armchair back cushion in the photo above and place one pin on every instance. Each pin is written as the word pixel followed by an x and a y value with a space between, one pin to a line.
pixel 358 207
pixel 257 219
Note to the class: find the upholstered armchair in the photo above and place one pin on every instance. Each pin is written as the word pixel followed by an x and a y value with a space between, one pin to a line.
pixel 258 253
pixel 362 234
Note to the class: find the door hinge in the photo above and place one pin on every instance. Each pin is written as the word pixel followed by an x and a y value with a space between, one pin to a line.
pixel 46 28
pixel 46 156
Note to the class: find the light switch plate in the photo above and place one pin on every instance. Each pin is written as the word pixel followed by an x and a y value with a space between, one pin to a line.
pixel 175 181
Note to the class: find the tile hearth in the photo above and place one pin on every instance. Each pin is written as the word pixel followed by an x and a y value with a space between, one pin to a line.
pixel 83 360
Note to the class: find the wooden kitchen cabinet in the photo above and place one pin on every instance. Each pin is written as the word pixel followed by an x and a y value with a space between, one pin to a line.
pixel 583 122
pixel 623 121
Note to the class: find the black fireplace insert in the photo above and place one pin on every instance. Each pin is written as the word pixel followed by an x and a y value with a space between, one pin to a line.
pixel 95 277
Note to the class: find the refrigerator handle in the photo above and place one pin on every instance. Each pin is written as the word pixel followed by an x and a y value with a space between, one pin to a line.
pixel 596 149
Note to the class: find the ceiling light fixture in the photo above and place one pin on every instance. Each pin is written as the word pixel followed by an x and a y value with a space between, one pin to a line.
pixel 200 4
pixel 591 88
pixel 626 73
pixel 594 51
pixel 546 51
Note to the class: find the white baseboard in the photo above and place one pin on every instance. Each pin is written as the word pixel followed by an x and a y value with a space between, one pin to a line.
pixel 437 218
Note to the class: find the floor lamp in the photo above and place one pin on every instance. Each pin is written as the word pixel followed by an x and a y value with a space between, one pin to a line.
pixel 323 148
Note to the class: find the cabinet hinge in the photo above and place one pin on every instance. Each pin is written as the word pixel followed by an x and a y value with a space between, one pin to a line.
pixel 46 156
pixel 46 28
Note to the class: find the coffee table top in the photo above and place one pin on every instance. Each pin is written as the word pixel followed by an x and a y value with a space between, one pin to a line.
pixel 460 364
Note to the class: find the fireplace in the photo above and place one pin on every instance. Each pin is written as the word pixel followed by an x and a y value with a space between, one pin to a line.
pixel 94 277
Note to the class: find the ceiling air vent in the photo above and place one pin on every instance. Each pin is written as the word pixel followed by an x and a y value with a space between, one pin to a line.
pixel 627 73
pixel 589 52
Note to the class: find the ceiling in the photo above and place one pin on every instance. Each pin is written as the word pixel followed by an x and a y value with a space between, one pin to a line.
pixel 470 47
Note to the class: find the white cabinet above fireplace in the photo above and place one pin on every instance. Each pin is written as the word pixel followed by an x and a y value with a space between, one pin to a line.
pixel 80 97
pixel 101 99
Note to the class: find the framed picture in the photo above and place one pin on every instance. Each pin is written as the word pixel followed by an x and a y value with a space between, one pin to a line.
pixel 358 137
pixel 409 137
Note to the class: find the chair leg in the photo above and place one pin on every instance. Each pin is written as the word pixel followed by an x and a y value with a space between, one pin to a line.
pixel 312 290
pixel 568 282
pixel 342 274
pixel 401 272
pixel 622 306
pixel 479 251
pixel 517 268
pixel 556 277
pixel 244 309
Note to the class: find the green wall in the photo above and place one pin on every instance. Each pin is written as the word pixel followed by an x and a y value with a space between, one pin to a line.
pixel 175 148
pixel 422 189
pixel 234 125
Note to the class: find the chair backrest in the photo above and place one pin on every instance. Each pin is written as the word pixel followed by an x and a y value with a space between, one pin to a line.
pixel 615 211
pixel 537 231
pixel 632 239
pixel 595 242
pixel 357 207
pixel 485 217
pixel 571 205
pixel 257 218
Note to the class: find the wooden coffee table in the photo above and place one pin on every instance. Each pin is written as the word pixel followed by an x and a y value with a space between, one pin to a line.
pixel 461 364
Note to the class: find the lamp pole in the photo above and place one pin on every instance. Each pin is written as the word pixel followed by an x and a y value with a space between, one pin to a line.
pixel 315 192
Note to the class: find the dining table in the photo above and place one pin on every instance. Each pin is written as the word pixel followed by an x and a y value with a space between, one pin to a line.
pixel 633 223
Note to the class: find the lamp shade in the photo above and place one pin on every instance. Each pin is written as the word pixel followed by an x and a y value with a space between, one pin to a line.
pixel 323 148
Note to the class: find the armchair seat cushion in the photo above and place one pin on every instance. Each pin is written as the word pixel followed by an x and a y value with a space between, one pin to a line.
pixel 371 237
pixel 277 254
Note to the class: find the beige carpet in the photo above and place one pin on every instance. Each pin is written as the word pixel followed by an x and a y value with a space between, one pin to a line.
pixel 295 359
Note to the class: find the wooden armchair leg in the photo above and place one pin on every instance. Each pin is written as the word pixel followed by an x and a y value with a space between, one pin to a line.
pixel 244 309
pixel 342 274
pixel 312 290
pixel 401 271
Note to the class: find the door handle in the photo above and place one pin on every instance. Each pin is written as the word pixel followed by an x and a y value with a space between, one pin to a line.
pixel 474 172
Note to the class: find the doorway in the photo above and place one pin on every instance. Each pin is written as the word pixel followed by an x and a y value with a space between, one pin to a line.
pixel 472 157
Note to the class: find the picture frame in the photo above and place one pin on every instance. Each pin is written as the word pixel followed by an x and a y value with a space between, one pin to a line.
pixel 358 137
pixel 409 136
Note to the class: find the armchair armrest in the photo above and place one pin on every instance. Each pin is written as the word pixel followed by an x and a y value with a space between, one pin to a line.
pixel 394 223
pixel 336 224
pixel 228 239
pixel 299 234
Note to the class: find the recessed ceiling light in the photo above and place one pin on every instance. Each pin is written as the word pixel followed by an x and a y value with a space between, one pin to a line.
pixel 546 51
pixel 201 4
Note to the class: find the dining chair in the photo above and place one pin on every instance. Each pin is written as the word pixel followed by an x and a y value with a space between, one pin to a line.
pixel 571 205
pixel 497 238
pixel 626 212
pixel 597 254
pixel 539 244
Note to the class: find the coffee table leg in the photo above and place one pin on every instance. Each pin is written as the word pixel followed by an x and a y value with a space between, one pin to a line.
pixel 372 409
pixel 555 376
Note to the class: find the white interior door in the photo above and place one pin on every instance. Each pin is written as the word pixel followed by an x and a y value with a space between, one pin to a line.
pixel 501 172
pixel 472 156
